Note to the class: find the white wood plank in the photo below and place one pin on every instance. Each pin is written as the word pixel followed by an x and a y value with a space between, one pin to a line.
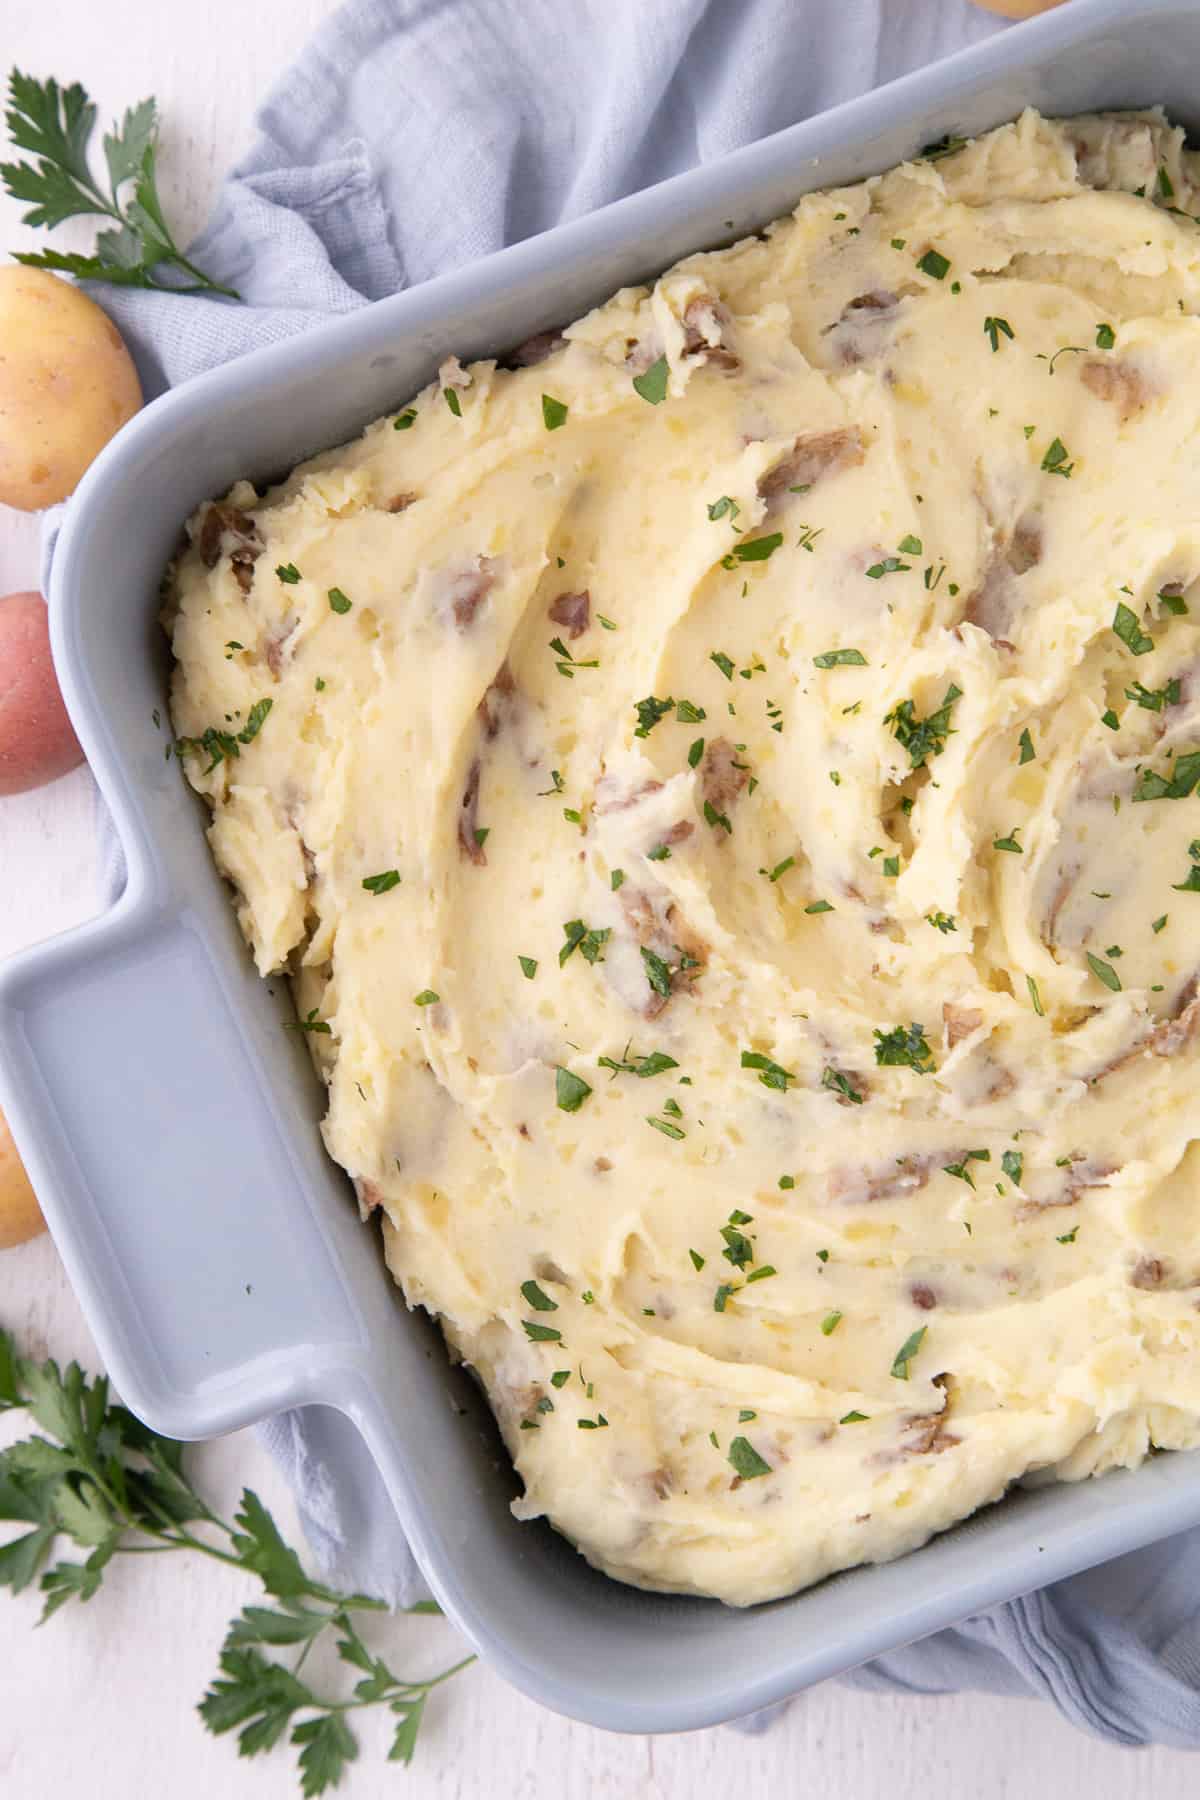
pixel 100 1702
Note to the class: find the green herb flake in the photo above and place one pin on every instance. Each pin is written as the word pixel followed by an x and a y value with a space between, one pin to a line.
pixel 656 1063
pixel 650 712
pixel 1028 753
pixel 933 263
pixel 1128 628
pixel 787 1182
pixel 554 412
pixel 993 329
pixel 901 1365
pixel 838 1083
pixel 698 1261
pixel 819 906
pixel 538 1298
pixel 746 1460
pixel 757 549
pixel 658 974
pixel 406 420
pixel 1159 924
pixel 1166 187
pixel 652 385
pixel 288 573
pixel 1109 718
pixel 854 1418
pixel 529 966
pixel 723 662
pixel 450 396
pixel 687 713
pixel 909 1049
pixel 616 878
pixel 723 508
pixel 1068 1237
pixel 570 1091
pixel 769 1073
pixel 1104 971
pixel 1106 337
pixel 426 997
pixel 923 738
pixel 311 1023
pixel 1055 460
pixel 1013 1164
pixel 830 1323
pixel 840 659
pixel 722 1297
pixel 338 602
pixel 383 882
pixel 541 1334
pixel 941 921
pixel 1175 604
pixel 560 1378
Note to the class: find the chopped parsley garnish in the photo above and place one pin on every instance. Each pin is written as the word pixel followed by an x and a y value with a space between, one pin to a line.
pixel 338 602
pixel 588 941
pixel 616 878
pixel 781 868
pixel 450 396
pixel 650 712
pixel 769 1073
pixel 652 386
pixel 724 508
pixel 224 746
pixel 756 549
pixel 840 1084
pixel 689 714
pixel 570 1091
pixel 1154 699
pixel 1009 843
pixel 840 659
pixel 746 1460
pixel 747 1413
pixel 426 997
pixel 698 1261
pixel 723 662
pixel 923 738
pixel 406 420
pixel 695 752
pixel 1106 337
pixel 891 867
pixel 656 1063
pixel 560 1378
pixel 830 1323
pixel 738 1248
pixel 1173 603
pixel 808 535
pixel 907 1351
pixel 1055 460
pixel 311 1023
pixel 231 645
pixel 1028 753
pixel 596 1424
pixel 1165 186
pixel 787 1181
pixel 383 882
pixel 819 906
pixel 941 921
pixel 1013 1164
pixel 1035 997
pixel 993 328
pixel 660 853
pixel 935 264
pixel 854 1418
pixel 714 818
pixel 1068 1237
pixel 554 412
pixel 658 973
pixel 1109 718
pixel 528 966
pixel 891 565
pixel 288 573
pixel 1192 883
pixel 1128 628
pixel 1184 776
pixel 541 1334
pixel 607 624
pixel 1158 924
pixel 901 1049
pixel 538 1298
pixel 722 1296
pixel 567 664
pixel 1104 971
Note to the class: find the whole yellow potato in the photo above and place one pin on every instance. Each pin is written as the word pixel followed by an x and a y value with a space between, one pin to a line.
pixel 67 385
pixel 20 1215
pixel 1017 9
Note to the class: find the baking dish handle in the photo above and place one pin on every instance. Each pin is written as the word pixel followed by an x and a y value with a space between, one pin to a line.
pixel 146 1165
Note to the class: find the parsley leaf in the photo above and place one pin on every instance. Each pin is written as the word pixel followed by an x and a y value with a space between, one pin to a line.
pixel 724 508
pixel 992 328
pixel 1106 337
pixel 902 1361
pixel 909 1049
pixel 770 1073
pixel 1127 627
pixel 1104 971
pixel 756 549
pixel 554 413
pixel 570 1091
pixel 1028 753
pixel 649 713
pixel 1055 460
pixel 338 602
pixel 656 1063
pixel 923 738
pixel 935 264
pixel 652 386
pixel 746 1460
pixel 382 883
pixel 834 659
pixel 841 1084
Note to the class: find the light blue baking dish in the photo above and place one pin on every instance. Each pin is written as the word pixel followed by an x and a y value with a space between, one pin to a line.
pixel 169 1123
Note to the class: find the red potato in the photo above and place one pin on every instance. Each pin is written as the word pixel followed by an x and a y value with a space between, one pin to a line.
pixel 37 743
pixel 20 1215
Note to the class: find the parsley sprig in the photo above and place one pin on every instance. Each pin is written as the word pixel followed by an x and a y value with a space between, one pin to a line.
pixel 98 1477
pixel 55 125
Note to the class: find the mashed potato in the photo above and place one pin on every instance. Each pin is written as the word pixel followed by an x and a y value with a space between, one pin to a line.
pixel 725 788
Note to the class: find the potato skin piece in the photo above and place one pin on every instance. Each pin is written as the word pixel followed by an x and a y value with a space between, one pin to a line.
pixel 37 742
pixel 67 385
pixel 20 1215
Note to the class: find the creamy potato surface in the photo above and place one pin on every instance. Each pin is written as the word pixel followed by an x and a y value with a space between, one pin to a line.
pixel 726 791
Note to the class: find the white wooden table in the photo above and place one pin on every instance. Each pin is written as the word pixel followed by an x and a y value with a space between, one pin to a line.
pixel 99 1704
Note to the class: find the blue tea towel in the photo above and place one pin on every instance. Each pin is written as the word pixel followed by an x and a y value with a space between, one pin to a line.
pixel 413 136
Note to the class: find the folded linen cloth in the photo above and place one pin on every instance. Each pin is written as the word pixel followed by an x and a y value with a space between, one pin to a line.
pixel 410 137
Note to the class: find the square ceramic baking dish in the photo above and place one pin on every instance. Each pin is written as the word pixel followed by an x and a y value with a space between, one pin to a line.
pixel 169 1123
